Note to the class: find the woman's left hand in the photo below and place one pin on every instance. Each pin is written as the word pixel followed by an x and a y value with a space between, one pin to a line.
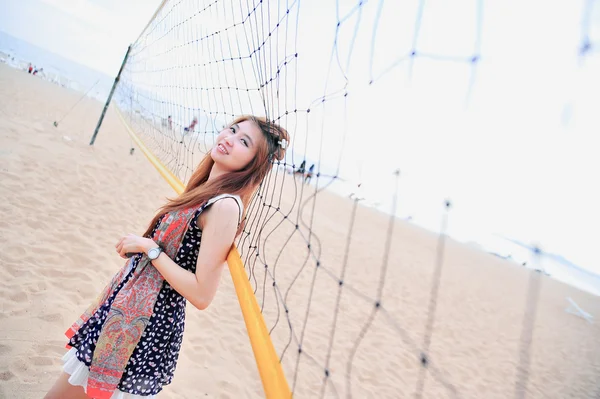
pixel 133 244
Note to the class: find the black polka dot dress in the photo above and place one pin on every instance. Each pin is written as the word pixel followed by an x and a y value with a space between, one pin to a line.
pixel 154 359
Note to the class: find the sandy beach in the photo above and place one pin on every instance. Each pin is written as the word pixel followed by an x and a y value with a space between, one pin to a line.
pixel 65 204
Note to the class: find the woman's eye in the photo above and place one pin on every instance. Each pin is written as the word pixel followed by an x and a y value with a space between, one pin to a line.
pixel 244 142
pixel 233 129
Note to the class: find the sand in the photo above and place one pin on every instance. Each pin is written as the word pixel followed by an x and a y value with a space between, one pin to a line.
pixel 65 203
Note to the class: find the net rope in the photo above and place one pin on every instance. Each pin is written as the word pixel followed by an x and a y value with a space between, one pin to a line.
pixel 199 64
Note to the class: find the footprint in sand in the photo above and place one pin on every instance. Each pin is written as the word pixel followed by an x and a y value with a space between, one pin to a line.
pixel 24 370
pixel 38 126
pixel 19 297
pixel 50 349
pixel 4 350
pixel 6 376
pixel 52 317
pixel 42 360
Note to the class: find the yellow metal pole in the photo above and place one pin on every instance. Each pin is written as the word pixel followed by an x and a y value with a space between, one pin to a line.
pixel 177 185
pixel 267 361
pixel 274 383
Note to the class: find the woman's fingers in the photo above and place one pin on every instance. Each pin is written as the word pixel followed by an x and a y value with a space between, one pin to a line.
pixel 121 247
pixel 127 245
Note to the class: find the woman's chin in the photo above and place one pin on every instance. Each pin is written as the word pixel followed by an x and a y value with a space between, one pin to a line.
pixel 219 162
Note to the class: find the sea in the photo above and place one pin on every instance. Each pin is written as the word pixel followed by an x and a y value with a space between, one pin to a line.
pixel 70 74
pixel 19 54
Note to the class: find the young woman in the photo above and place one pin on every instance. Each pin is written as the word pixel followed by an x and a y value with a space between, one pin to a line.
pixel 127 343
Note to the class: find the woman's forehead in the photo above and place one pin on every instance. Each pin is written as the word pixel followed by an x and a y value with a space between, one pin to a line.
pixel 250 128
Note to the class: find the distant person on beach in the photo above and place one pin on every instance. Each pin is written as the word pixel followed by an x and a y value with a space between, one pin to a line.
pixel 30 68
pixel 309 174
pixel 190 128
pixel 192 125
pixel 127 342
pixel 301 169
pixel 35 72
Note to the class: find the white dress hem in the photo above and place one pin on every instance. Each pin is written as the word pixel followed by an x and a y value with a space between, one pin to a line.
pixel 79 374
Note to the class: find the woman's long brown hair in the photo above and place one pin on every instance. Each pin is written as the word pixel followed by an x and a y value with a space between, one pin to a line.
pixel 243 182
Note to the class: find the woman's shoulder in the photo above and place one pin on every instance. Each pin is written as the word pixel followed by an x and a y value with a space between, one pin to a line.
pixel 235 197
pixel 227 204
pixel 225 195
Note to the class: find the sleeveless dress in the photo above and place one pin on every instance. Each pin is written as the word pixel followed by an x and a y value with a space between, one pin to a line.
pixel 154 359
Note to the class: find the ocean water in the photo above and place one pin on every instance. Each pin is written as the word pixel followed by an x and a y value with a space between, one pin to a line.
pixel 18 54
pixel 60 70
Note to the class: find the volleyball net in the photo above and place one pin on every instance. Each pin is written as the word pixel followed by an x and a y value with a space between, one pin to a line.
pixel 328 248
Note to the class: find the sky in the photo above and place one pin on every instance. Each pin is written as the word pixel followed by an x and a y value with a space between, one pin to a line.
pixel 518 159
pixel 94 33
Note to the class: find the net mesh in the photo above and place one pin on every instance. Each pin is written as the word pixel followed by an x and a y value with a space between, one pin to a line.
pixel 332 263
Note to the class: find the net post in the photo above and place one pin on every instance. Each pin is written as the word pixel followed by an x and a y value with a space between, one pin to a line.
pixel 269 367
pixel 114 86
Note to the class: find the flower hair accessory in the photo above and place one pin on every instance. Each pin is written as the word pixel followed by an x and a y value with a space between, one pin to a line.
pixel 283 143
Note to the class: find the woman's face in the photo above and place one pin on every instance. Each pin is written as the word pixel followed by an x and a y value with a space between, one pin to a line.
pixel 237 145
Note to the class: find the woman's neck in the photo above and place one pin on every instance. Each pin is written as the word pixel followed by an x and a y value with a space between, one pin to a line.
pixel 215 172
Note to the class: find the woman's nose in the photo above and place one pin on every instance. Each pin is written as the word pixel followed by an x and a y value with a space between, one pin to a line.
pixel 229 140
